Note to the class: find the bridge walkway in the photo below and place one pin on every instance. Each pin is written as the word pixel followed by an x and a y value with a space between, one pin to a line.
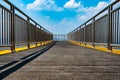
pixel 65 61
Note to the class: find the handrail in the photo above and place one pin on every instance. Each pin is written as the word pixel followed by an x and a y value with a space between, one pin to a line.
pixel 16 30
pixel 108 24
pixel 97 14
pixel 8 2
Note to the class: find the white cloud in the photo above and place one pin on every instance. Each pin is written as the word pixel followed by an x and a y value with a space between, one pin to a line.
pixel 21 5
pixel 72 4
pixel 91 11
pixel 82 18
pixel 44 5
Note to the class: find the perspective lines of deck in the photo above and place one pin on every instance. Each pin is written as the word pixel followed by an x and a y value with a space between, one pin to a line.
pixel 65 61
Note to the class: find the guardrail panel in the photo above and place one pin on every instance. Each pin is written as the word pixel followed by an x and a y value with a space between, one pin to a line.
pixel 5 27
pixel 116 26
pixel 101 30
pixel 21 30
pixel 16 28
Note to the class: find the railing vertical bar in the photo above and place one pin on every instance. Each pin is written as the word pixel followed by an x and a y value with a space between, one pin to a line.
pixel 2 25
pixel 36 34
pixel 84 33
pixel 28 33
pixel 12 29
pixel 6 30
pixel 113 29
pixel 117 26
pixel 109 28
pixel 93 32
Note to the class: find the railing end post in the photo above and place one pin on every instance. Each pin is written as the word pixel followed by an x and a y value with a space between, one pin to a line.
pixel 13 49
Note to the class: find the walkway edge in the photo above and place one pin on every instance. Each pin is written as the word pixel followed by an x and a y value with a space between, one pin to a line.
pixel 114 51
pixel 23 62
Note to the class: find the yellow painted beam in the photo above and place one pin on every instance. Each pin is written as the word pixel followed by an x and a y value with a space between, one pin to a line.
pixel 39 44
pixel 33 46
pixel 21 49
pixel 116 51
pixel 102 48
pixel 2 52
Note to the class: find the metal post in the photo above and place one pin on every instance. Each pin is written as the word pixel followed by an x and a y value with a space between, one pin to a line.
pixel 93 32
pixel 43 35
pixel 12 28
pixel 76 35
pixel 36 34
pixel 40 34
pixel 85 34
pixel 28 34
pixel 109 28
pixel 52 37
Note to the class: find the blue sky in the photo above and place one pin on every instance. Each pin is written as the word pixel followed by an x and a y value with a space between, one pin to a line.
pixel 60 16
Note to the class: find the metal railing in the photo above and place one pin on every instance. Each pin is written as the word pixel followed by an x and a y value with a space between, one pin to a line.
pixel 103 28
pixel 20 30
